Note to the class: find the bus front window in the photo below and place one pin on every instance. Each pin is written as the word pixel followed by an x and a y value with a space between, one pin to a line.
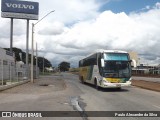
pixel 117 69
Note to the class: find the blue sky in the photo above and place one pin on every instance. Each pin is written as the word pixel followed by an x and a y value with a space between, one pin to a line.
pixel 127 6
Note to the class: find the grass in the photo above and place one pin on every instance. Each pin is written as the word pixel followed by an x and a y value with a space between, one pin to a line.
pixel 45 73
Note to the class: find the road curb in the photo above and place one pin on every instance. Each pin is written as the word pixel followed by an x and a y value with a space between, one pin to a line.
pixel 4 87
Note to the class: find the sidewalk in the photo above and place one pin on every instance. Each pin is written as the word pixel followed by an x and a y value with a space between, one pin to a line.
pixel 48 93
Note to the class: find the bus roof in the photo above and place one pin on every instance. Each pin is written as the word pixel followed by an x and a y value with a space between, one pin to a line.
pixel 110 51
pixel 105 51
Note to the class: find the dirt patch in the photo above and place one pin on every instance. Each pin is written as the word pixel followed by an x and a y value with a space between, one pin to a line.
pixel 155 86
pixel 146 75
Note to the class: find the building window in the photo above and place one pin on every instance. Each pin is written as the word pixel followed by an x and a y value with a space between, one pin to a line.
pixel 12 63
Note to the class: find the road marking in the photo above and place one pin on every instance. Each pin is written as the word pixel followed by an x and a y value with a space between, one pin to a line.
pixel 156 106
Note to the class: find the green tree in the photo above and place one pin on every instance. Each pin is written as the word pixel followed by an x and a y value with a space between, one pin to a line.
pixel 41 60
pixel 17 53
pixel 64 66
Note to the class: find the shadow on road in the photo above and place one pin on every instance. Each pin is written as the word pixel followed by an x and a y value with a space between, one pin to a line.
pixel 113 90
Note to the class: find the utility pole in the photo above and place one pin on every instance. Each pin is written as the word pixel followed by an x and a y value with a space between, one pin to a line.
pixel 32 54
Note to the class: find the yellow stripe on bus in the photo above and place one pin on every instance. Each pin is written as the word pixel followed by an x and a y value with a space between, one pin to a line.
pixel 113 80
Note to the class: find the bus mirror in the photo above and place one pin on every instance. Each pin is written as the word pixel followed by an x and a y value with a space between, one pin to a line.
pixel 102 62
pixel 134 63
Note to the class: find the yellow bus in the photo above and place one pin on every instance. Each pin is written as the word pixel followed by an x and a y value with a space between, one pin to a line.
pixel 106 69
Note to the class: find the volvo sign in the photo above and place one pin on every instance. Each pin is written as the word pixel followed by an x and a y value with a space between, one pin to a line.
pixel 20 9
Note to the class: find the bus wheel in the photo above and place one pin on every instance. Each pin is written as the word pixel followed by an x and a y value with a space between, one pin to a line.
pixel 96 85
pixel 119 88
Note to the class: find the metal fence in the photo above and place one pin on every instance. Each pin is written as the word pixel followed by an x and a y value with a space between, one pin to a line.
pixel 11 73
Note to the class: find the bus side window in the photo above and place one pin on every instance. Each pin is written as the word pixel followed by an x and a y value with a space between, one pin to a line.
pixel 91 60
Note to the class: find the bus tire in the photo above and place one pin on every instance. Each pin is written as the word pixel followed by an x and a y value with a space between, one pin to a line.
pixel 119 88
pixel 95 84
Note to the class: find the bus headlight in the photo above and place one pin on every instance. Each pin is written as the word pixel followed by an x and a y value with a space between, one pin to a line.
pixel 105 80
pixel 128 82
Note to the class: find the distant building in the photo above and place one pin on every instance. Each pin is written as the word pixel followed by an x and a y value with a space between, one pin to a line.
pixel 21 70
pixel 49 69
pixel 147 69
pixel 143 68
pixel 134 55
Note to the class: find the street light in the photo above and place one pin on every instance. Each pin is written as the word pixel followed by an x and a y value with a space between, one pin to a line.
pixel 33 25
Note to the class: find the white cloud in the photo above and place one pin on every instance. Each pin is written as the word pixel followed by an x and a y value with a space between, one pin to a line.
pixel 4 27
pixel 52 29
pixel 114 31
pixel 157 5
pixel 69 11
pixel 137 32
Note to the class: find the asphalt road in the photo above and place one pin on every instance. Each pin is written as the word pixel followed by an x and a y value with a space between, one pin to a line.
pixel 127 99
pixel 63 92
pixel 48 93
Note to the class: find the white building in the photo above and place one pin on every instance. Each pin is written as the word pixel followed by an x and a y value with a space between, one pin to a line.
pixel 134 55
pixel 7 64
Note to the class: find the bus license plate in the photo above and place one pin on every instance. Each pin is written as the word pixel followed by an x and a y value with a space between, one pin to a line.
pixel 118 85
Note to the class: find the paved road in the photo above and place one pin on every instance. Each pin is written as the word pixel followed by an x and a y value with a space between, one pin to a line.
pixel 64 90
pixel 147 79
pixel 48 93
pixel 128 99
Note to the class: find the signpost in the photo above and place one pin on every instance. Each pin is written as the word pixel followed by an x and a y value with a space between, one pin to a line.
pixel 16 9
pixel 19 9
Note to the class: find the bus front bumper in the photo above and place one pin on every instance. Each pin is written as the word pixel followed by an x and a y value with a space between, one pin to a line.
pixel 116 85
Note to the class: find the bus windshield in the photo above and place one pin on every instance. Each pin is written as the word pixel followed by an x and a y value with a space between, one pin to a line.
pixel 117 65
pixel 116 56
pixel 117 69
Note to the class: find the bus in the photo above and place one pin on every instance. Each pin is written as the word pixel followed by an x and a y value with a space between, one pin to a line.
pixel 106 69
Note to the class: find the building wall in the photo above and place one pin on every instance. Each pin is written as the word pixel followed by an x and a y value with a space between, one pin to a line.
pixel 134 55
pixel 7 65
pixel 11 70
